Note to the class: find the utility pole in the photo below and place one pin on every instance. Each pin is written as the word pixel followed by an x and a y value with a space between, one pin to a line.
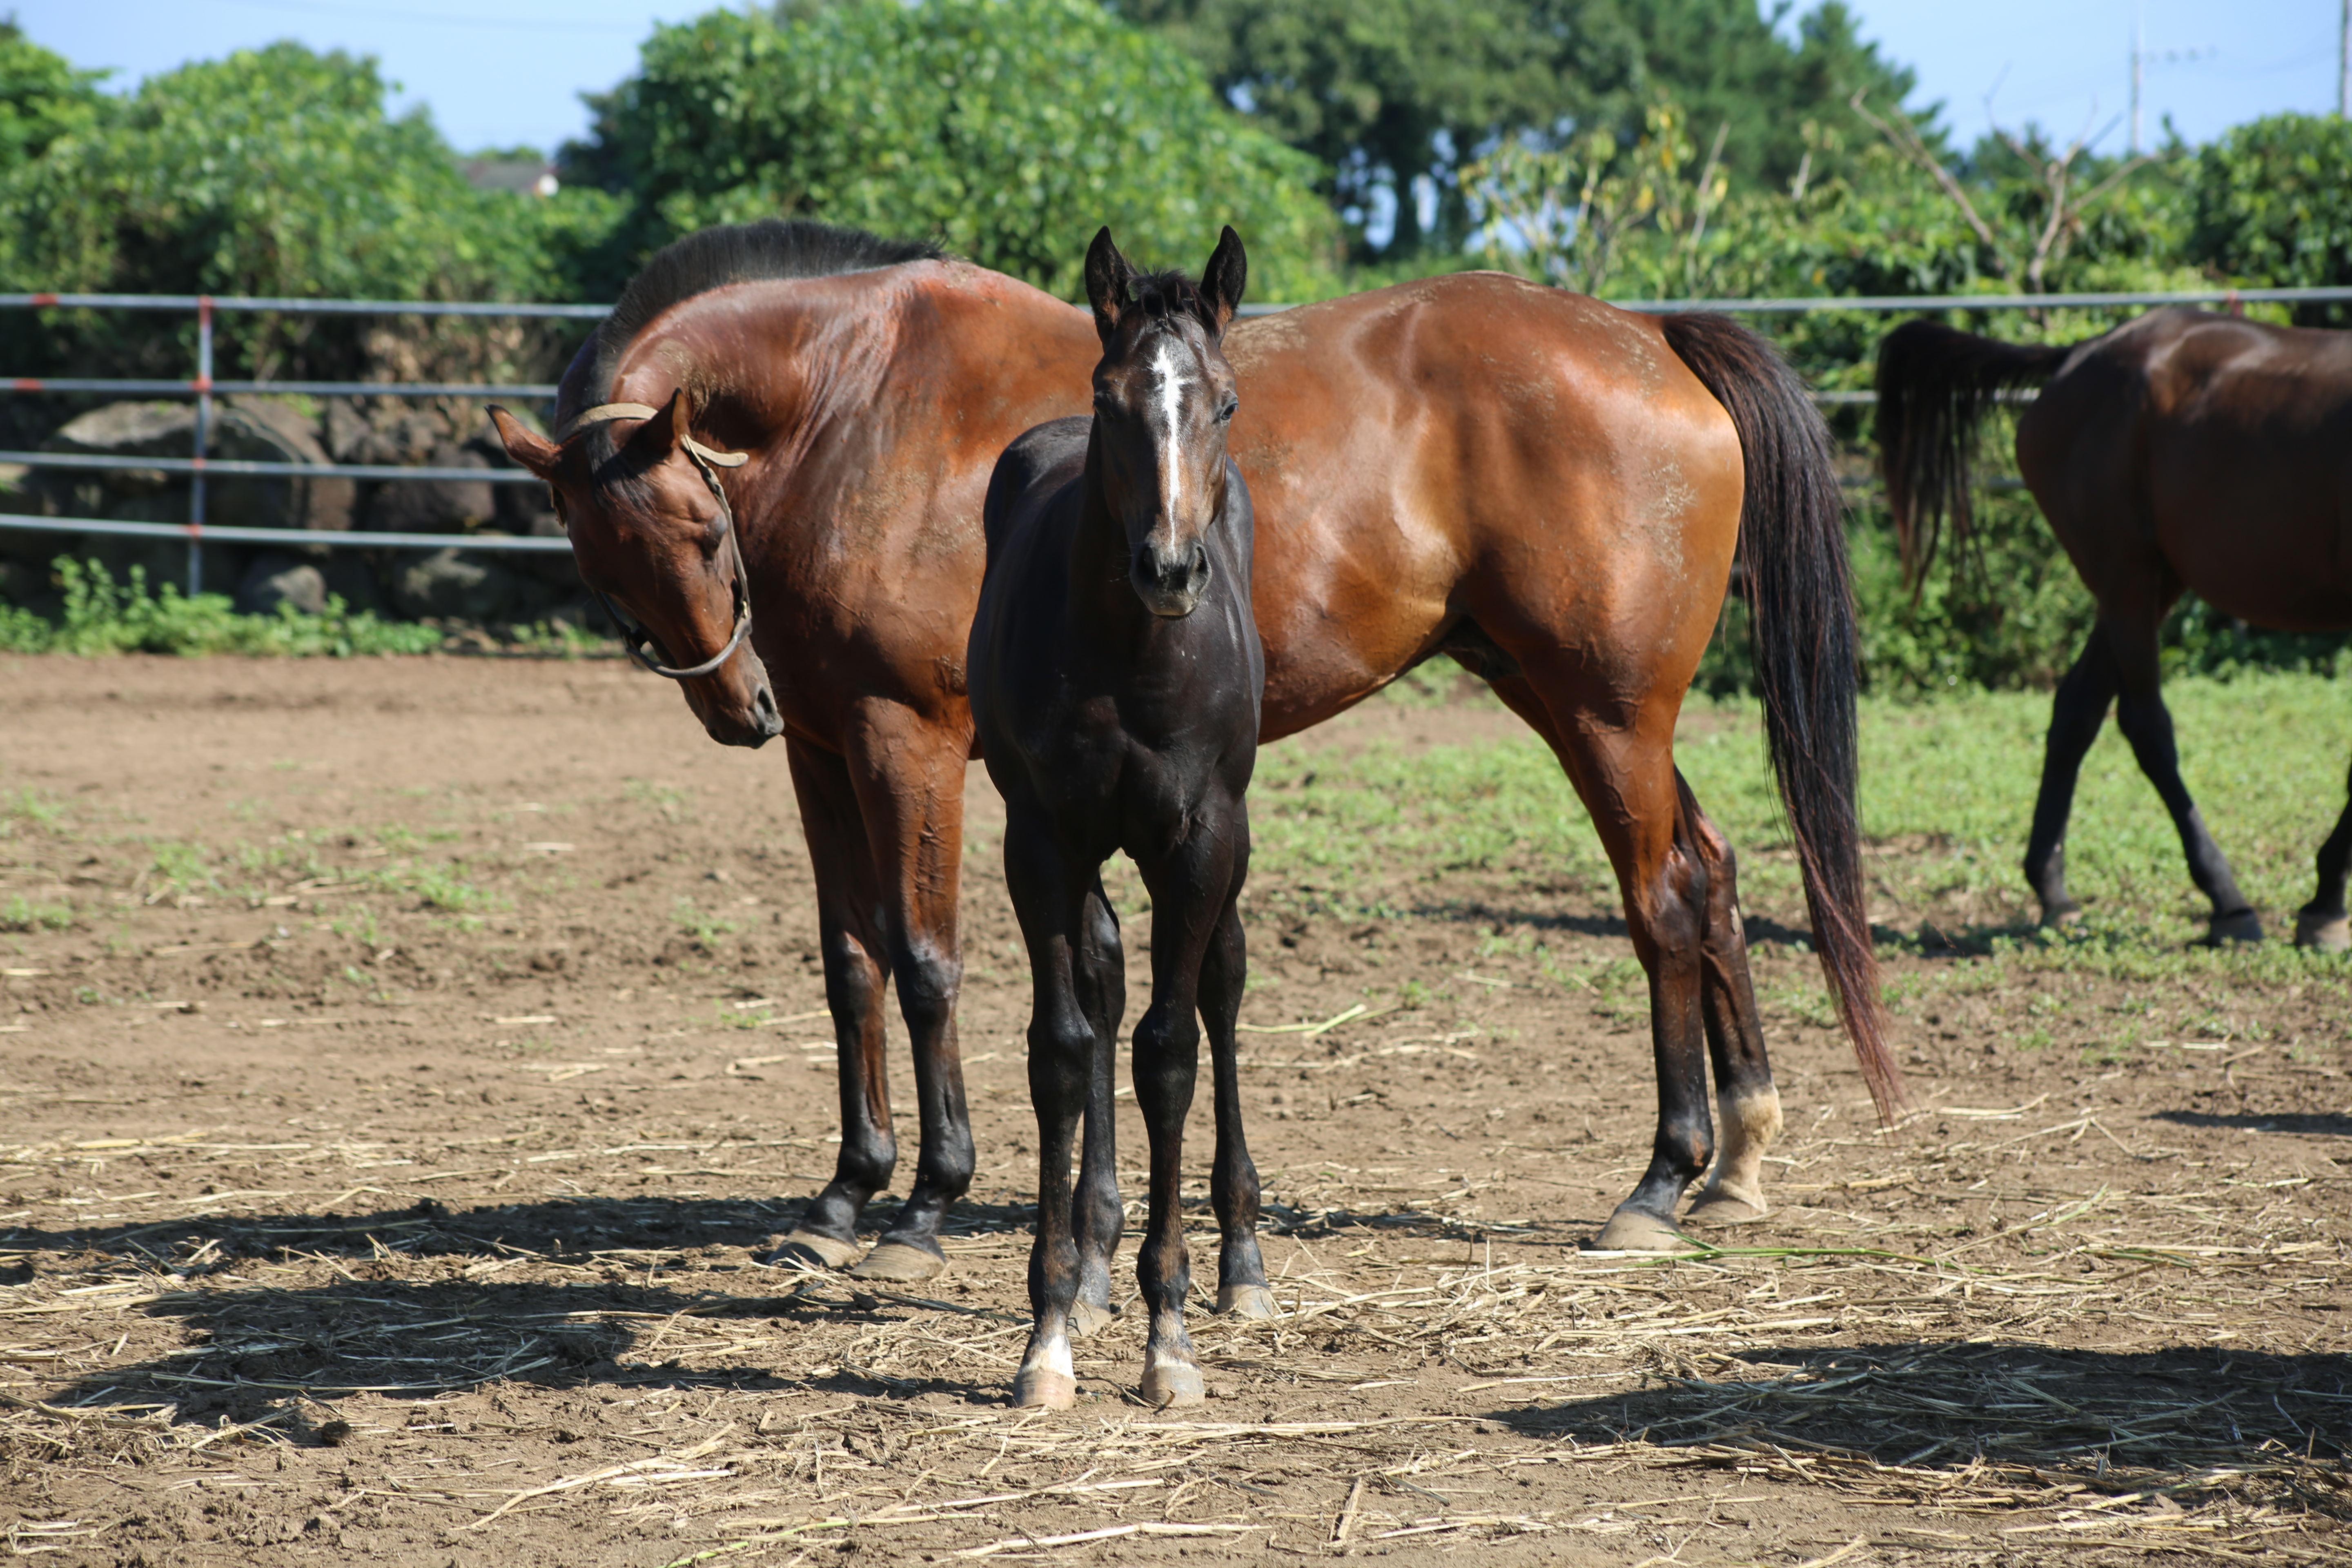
pixel 2138 60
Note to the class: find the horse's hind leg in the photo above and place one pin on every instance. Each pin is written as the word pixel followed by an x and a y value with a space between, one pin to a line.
pixel 2146 722
pixel 1745 1099
pixel 2075 714
pixel 1050 895
pixel 1100 973
pixel 1232 1181
pixel 2322 923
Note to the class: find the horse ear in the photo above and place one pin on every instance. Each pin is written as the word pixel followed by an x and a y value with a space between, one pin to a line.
pixel 1106 279
pixel 663 434
pixel 1222 279
pixel 523 444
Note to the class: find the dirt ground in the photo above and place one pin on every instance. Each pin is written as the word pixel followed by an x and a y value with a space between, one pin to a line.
pixel 403 1064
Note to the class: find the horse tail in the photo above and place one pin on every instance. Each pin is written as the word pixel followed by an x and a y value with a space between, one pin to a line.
pixel 1801 600
pixel 1935 383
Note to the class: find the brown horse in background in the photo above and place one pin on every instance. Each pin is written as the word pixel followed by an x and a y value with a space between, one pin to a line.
pixel 2182 451
pixel 1545 487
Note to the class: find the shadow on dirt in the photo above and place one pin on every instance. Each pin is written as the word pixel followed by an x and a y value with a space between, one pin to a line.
pixel 2170 1414
pixel 2332 1124
pixel 564 1230
pixel 283 1356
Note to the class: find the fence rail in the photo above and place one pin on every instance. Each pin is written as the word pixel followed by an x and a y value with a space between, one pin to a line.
pixel 203 387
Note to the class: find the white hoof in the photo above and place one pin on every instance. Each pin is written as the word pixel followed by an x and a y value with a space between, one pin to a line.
pixel 1086 1318
pixel 899 1264
pixel 1046 1380
pixel 807 1249
pixel 1246 1302
pixel 1630 1230
pixel 2328 934
pixel 1170 1385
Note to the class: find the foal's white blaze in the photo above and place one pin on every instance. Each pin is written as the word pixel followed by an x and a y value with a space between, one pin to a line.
pixel 1172 383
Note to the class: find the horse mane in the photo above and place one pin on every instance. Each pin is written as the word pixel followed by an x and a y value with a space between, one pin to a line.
pixel 732 253
pixel 1160 295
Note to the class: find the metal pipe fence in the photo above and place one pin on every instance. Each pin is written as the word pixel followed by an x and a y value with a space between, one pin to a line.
pixel 204 388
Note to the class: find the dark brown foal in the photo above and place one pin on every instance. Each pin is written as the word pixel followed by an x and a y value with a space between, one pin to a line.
pixel 1115 671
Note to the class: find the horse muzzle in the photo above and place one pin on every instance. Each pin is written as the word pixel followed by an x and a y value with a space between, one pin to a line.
pixel 1170 584
pixel 753 723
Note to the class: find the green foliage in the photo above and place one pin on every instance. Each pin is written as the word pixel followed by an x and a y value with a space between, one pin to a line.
pixel 1009 130
pixel 2274 206
pixel 42 98
pixel 272 172
pixel 1390 91
pixel 21 914
pixel 101 615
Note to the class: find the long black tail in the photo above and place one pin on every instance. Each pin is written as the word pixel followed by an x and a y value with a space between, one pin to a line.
pixel 1935 383
pixel 1793 541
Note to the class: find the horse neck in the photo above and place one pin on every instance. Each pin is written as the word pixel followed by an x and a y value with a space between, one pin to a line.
pixel 1101 595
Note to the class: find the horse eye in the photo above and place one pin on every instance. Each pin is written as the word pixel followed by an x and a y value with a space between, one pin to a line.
pixel 555 500
pixel 1226 413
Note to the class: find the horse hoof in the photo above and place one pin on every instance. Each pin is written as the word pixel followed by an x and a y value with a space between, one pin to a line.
pixel 901 1264
pixel 1043 1388
pixel 2058 917
pixel 1168 1385
pixel 812 1252
pixel 1087 1317
pixel 1246 1302
pixel 2244 926
pixel 1630 1230
pixel 2328 934
pixel 1724 1208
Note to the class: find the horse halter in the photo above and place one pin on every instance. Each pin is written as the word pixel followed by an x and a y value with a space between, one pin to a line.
pixel 635 637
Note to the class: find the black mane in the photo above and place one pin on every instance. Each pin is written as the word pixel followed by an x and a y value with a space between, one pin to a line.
pixel 1163 294
pixel 735 253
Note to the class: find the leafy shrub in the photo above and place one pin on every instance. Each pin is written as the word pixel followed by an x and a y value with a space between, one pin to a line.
pixel 2274 206
pixel 1008 129
pixel 101 615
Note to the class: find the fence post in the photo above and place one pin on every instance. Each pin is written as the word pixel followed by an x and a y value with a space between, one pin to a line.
pixel 203 439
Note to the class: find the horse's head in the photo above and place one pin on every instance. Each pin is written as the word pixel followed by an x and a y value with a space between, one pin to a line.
pixel 1163 402
pixel 652 532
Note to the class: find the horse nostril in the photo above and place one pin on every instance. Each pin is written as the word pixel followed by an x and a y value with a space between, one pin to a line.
pixel 763 707
pixel 1200 561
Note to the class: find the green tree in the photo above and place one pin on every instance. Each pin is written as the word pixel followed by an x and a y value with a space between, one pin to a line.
pixel 1389 93
pixel 2272 207
pixel 1009 130
pixel 42 98
pixel 272 172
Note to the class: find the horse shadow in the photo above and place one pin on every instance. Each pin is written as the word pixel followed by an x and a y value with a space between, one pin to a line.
pixel 2178 1417
pixel 252 1351
pixel 2322 1123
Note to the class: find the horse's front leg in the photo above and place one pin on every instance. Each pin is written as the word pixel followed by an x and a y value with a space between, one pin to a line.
pixel 1050 896
pixel 2322 923
pixel 855 976
pixel 1242 1288
pixel 1100 971
pixel 907 770
pixel 1190 889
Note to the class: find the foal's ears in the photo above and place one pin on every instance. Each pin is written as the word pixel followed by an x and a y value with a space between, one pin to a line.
pixel 1108 275
pixel 523 444
pixel 1222 279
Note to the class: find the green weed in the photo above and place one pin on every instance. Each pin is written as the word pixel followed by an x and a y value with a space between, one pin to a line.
pixel 20 914
pixel 706 929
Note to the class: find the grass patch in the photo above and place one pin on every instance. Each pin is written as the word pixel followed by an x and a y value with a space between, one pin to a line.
pixel 21 914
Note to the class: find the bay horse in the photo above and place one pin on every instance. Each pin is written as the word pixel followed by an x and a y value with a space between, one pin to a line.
pixel 1543 486
pixel 1115 669
pixel 2183 451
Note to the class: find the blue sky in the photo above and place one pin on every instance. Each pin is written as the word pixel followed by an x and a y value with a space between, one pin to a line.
pixel 503 72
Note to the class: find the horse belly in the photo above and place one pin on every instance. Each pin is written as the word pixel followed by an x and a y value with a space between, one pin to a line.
pixel 2260 531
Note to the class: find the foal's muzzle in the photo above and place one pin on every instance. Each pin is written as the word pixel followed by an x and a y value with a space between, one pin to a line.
pixel 1170 585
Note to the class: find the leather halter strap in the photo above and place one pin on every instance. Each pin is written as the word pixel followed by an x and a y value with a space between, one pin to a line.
pixel 633 637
